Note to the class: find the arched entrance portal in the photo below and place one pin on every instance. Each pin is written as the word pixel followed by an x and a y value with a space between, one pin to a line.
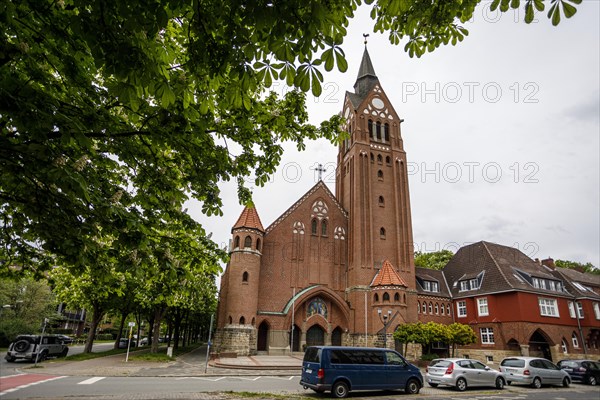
pixel 262 341
pixel 336 337
pixel 296 338
pixel 539 346
pixel 315 336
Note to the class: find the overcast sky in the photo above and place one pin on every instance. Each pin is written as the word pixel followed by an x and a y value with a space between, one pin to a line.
pixel 501 134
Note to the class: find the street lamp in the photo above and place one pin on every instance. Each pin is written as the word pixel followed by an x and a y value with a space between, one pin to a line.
pixel 385 320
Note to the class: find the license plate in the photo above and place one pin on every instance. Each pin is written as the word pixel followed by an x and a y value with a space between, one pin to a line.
pixel 308 371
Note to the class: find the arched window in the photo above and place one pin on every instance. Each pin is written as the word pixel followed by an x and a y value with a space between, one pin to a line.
pixel 245 276
pixel 372 158
pixel 424 308
pixel 386 132
pixel 443 309
pixel 236 242
pixel 379 159
pixel 378 130
pixel 371 129
pixel 382 233
pixel 437 309
pixel 258 244
pixel 242 320
pixel 430 308
pixel 386 296
pixel 380 175
pixel 397 297
pixel 253 321
pixel 418 307
pixel 313 227
pixel 565 346
pixel 574 340
pixel 248 242
pixel 448 309
pixel 230 320
pixel 323 228
pixel 388 160
pixel 376 298
pixel 381 201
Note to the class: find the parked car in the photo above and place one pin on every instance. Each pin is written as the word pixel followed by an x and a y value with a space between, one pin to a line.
pixel 28 347
pixel 144 341
pixel 344 369
pixel 462 373
pixel 65 339
pixel 123 343
pixel 584 371
pixel 534 371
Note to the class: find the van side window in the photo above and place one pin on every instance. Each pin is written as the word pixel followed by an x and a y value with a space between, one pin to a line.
pixel 312 354
pixel 357 357
pixel 394 359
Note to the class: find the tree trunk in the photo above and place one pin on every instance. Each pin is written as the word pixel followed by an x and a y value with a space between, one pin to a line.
pixel 96 318
pixel 120 331
pixel 158 315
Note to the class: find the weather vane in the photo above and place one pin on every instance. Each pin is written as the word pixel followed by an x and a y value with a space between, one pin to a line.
pixel 365 35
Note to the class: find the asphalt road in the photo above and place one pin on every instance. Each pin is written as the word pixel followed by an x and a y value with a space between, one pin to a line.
pixel 7 368
pixel 151 388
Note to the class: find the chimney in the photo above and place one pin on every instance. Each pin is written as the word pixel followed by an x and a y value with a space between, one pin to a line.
pixel 549 262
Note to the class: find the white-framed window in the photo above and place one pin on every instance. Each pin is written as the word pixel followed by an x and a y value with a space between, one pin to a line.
pixel 418 307
pixel 574 340
pixel 571 309
pixel 427 286
pixel 579 309
pixel 430 308
pixel 464 285
pixel 424 308
pixel 597 310
pixel 536 283
pixel 437 309
pixel 487 335
pixel 443 309
pixel 461 309
pixel 548 307
pixel 482 307
pixel 435 287
pixel 565 348
pixel 448 309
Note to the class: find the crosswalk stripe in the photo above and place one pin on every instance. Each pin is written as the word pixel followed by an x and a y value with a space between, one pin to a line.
pixel 91 380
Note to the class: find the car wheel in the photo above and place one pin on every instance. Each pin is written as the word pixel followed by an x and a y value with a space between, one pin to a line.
pixel 499 383
pixel 42 356
pixel 432 384
pixel 340 389
pixel 461 385
pixel 537 383
pixel 592 381
pixel 566 382
pixel 413 387
pixel 11 359
pixel 64 352
pixel 21 346
pixel 508 383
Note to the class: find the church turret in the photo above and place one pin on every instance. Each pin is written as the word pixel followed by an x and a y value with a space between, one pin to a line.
pixel 240 284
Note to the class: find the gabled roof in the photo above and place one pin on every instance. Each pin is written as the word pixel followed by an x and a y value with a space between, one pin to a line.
pixel 505 268
pixel 318 186
pixel 249 219
pixel 427 274
pixel 578 283
pixel 387 276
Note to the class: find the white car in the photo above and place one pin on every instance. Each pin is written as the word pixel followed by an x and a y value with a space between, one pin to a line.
pixel 462 373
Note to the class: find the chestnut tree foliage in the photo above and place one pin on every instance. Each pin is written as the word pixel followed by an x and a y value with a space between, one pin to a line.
pixel 113 113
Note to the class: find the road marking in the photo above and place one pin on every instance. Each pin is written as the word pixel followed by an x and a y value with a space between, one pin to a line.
pixel 281 377
pixel 202 379
pixel 91 380
pixel 248 379
pixel 42 380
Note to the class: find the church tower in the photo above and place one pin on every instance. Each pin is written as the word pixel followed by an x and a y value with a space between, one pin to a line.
pixel 372 186
pixel 238 308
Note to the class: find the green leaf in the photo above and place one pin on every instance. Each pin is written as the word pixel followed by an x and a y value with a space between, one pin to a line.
pixel 529 14
pixel 568 9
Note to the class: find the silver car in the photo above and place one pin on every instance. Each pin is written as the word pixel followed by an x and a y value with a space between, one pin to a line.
pixel 533 371
pixel 461 373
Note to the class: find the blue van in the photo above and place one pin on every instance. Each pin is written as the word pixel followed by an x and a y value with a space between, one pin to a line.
pixel 342 369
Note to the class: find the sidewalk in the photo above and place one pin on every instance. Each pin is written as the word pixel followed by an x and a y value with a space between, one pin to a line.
pixel 187 365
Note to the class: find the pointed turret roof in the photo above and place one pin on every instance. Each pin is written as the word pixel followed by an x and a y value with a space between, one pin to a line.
pixel 249 219
pixel 387 276
pixel 366 77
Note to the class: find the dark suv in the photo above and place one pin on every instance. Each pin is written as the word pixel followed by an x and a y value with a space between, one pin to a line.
pixel 584 371
pixel 28 347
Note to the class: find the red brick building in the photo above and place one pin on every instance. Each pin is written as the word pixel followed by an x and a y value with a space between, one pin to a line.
pixel 333 269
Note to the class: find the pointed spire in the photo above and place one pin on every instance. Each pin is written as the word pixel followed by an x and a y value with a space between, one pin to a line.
pixel 387 276
pixel 249 219
pixel 366 77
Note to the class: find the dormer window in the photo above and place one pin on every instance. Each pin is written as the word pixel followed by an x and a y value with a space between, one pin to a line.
pixel 540 283
pixel 429 286
pixel 471 283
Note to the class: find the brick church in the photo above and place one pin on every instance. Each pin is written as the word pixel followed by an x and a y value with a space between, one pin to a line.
pixel 320 273
pixel 338 269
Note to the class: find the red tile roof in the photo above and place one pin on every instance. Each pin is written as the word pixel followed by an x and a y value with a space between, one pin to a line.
pixel 387 276
pixel 249 219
